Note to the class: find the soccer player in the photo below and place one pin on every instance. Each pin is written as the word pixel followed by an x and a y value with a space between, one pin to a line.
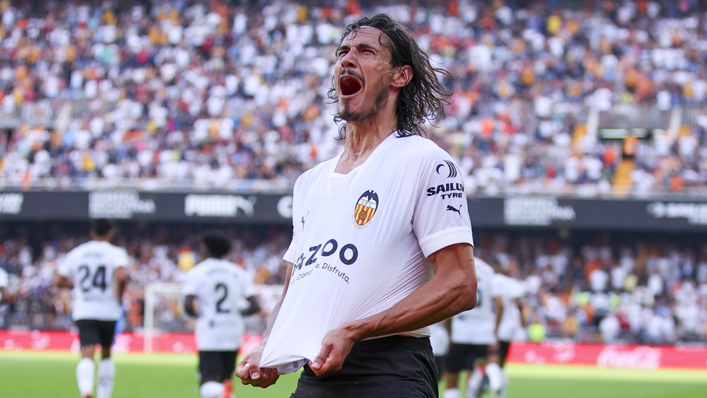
pixel 513 292
pixel 382 241
pixel 213 292
pixel 97 272
pixel 473 336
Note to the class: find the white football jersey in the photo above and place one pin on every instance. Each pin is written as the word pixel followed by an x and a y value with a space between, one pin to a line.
pixel 92 267
pixel 4 279
pixel 476 326
pixel 360 241
pixel 510 320
pixel 219 286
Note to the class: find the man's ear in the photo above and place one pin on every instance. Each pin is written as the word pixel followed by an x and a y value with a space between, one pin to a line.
pixel 402 77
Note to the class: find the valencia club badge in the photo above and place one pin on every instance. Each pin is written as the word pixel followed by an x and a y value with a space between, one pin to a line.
pixel 366 208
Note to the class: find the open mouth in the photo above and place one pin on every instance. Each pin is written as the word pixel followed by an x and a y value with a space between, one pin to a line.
pixel 349 85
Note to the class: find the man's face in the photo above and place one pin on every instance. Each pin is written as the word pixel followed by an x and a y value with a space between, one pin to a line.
pixel 362 74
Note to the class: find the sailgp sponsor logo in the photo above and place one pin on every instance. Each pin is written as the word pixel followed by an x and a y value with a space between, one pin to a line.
pixel 694 213
pixel 535 210
pixel 447 167
pixel 636 358
pixel 448 190
pixel 118 204
pixel 218 205
pixel 11 203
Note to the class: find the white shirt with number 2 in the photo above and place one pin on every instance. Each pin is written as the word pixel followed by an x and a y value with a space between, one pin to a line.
pixel 219 287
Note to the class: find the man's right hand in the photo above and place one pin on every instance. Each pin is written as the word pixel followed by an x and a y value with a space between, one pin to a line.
pixel 250 372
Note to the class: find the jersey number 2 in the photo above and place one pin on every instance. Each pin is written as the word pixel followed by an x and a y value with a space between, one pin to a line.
pixel 98 280
pixel 219 310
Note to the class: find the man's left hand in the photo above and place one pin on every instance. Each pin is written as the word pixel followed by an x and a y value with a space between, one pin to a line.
pixel 336 346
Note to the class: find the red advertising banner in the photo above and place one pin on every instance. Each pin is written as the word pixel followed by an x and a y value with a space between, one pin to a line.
pixel 600 355
pixel 610 356
pixel 125 342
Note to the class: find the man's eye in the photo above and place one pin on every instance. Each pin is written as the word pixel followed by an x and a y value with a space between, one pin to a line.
pixel 342 53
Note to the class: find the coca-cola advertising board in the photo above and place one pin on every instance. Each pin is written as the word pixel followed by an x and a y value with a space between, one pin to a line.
pixel 610 356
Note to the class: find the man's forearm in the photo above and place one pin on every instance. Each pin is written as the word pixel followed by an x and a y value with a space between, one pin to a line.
pixel 450 291
pixel 63 282
pixel 498 301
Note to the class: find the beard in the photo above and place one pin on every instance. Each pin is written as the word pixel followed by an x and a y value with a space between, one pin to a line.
pixel 350 115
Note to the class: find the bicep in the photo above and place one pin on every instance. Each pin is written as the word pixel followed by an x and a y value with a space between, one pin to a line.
pixel 457 257
pixel 121 275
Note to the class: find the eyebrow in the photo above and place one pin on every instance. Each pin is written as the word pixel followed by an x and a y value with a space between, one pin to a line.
pixel 360 46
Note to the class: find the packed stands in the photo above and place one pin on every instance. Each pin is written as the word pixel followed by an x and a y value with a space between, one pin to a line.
pixel 549 96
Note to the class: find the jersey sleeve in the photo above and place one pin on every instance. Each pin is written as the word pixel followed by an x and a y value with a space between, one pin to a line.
pixel 191 286
pixel 66 266
pixel 516 290
pixel 441 217
pixel 498 285
pixel 121 258
pixel 4 279
pixel 249 289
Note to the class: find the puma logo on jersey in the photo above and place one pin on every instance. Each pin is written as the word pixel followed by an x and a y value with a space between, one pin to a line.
pixel 454 209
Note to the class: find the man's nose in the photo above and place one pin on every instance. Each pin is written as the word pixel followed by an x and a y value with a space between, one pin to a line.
pixel 349 60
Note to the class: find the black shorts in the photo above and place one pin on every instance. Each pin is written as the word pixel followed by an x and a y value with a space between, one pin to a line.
pixel 92 332
pixel 464 356
pixel 217 365
pixel 389 367
pixel 503 349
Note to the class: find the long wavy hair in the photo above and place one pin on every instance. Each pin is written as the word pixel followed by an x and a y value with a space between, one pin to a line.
pixel 423 98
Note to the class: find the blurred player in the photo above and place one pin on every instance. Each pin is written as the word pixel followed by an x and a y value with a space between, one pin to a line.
pixel 5 296
pixel 97 271
pixel 214 290
pixel 439 339
pixel 473 336
pixel 512 318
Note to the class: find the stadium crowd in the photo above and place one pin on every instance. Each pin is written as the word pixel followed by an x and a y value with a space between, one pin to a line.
pixel 585 288
pixel 210 93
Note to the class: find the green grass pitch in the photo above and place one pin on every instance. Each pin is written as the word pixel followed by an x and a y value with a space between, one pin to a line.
pixel 52 375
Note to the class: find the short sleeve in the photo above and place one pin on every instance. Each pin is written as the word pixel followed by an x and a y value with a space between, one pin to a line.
pixel 249 289
pixel 441 216
pixel 121 258
pixel 517 290
pixel 4 279
pixel 65 267
pixel 191 284
pixel 498 285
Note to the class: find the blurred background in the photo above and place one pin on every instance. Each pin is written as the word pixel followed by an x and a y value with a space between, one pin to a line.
pixel 580 126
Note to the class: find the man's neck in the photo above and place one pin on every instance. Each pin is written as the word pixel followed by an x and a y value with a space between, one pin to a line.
pixel 361 140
